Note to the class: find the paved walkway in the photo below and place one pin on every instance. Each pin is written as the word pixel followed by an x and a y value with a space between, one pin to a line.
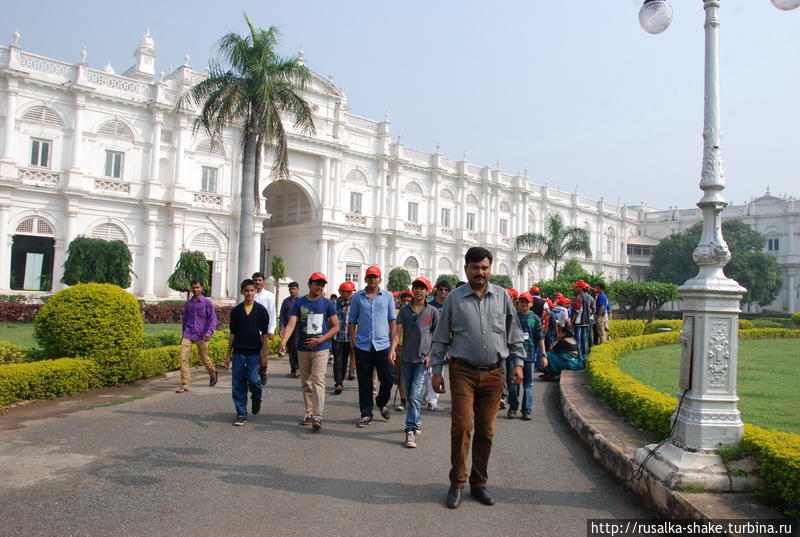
pixel 172 464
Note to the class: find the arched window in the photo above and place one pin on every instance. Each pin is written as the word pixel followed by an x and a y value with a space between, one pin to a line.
pixel 412 266
pixel 35 226
pixel 32 250
pixel 43 115
pixel 206 145
pixel 116 128
pixel 109 232
pixel 206 243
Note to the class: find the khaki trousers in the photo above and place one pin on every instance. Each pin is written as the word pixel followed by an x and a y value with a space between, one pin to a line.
pixel 313 365
pixel 186 354
pixel 475 400
pixel 601 323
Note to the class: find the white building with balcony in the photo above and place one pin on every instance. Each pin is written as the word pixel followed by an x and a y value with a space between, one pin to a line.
pixel 90 152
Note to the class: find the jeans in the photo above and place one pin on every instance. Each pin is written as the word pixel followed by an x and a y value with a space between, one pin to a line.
pixel 527 389
pixel 366 363
pixel 412 378
pixel 581 338
pixel 243 374
pixel 341 354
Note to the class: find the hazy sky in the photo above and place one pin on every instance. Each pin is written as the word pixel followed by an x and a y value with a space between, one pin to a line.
pixel 574 90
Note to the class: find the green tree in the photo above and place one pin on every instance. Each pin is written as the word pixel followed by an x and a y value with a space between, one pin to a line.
pixel 503 280
pixel 399 279
pixel 554 245
pixel 191 266
pixel 647 296
pixel 97 261
pixel 753 268
pixel 256 90
pixel 278 273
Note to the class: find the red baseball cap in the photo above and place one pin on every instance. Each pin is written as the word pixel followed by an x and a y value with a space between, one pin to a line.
pixel 347 286
pixel 580 284
pixel 558 295
pixel 564 301
pixel 513 293
pixel 526 296
pixel 318 276
pixel 395 294
pixel 406 292
pixel 423 281
pixel 535 290
pixel 373 271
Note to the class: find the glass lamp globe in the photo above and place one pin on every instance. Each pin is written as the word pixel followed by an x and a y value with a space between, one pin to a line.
pixel 656 15
pixel 786 5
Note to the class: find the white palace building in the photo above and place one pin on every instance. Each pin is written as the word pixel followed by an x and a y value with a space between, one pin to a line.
pixel 90 152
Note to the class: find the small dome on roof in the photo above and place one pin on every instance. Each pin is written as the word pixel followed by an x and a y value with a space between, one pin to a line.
pixel 147 41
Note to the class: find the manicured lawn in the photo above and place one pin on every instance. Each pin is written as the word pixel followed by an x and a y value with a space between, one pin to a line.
pixel 22 333
pixel 769 373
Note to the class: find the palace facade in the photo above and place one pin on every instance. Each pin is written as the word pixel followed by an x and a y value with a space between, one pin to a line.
pixel 90 152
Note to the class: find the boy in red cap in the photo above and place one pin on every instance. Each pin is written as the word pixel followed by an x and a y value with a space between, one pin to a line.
pixel 533 341
pixel 341 341
pixel 315 317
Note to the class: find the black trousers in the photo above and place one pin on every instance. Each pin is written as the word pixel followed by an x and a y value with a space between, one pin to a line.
pixel 291 349
pixel 341 357
pixel 366 362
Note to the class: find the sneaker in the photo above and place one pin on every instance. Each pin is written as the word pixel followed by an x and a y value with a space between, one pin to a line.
pixel 364 422
pixel 240 420
pixel 503 404
pixel 307 420
pixel 402 406
pixel 316 423
pixel 526 416
pixel 511 414
pixel 338 389
pixel 435 408
pixel 411 439
pixel 256 406
pixel 385 413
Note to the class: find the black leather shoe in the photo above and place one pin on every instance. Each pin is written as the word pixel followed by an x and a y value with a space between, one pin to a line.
pixel 454 496
pixel 482 495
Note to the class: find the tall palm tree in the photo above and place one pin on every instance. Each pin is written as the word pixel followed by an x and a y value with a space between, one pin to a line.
pixel 254 91
pixel 557 243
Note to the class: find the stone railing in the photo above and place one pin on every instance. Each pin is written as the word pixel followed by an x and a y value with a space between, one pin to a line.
pixel 38 175
pixel 110 185
pixel 508 241
pixel 447 232
pixel 411 227
pixel 119 83
pixel 208 198
pixel 472 236
pixel 448 164
pixel 417 157
pixel 471 169
pixel 362 123
pixel 46 65
pixel 356 219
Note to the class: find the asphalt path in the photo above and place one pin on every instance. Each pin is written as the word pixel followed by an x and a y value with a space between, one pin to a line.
pixel 172 464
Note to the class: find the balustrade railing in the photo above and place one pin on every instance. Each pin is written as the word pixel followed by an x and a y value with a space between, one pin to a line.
pixel 38 175
pixel 208 198
pixel 110 185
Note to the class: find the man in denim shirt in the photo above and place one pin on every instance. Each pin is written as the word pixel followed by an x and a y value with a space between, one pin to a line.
pixel 371 321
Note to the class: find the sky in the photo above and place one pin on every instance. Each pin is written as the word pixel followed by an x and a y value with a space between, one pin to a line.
pixel 574 92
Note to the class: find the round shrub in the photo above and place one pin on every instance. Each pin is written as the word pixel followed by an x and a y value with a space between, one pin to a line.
pixel 796 319
pixel 97 321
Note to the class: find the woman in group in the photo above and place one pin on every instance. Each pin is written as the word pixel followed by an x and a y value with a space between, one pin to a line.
pixel 562 355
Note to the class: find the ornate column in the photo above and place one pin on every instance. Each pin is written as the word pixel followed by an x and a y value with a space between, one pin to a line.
pixel 7 162
pixel 5 246
pixel 323 255
pixel 150 219
pixel 708 415
pixel 155 150
pixel 178 185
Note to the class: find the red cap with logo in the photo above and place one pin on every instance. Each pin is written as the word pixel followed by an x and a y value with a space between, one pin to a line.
pixel 373 271
pixel 347 286
pixel 423 281
pixel 526 296
pixel 318 276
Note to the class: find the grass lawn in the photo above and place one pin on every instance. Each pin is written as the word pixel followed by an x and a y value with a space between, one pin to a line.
pixel 22 333
pixel 769 373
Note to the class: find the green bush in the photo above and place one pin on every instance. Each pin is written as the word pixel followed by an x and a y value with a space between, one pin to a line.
pixel 625 329
pixel 12 354
pixel 676 324
pixel 97 321
pixel 162 339
pixel 796 319
pixel 777 453
pixel 97 260
pixel 47 379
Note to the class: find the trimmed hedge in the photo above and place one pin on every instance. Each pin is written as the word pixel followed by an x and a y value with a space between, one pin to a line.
pixel 777 453
pixel 167 312
pixel 625 329
pixel 676 324
pixel 48 379
pixel 796 319
pixel 12 354
pixel 15 312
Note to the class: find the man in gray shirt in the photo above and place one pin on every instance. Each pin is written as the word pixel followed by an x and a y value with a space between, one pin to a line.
pixel 478 327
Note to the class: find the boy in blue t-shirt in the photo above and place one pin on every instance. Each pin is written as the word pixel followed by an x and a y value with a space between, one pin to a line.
pixel 533 341
pixel 316 321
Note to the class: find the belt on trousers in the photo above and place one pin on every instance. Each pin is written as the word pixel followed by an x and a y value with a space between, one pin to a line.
pixel 480 368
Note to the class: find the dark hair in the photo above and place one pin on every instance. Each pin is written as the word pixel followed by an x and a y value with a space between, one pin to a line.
pixel 419 284
pixel 568 331
pixel 600 286
pixel 195 282
pixel 258 275
pixel 460 283
pixel 294 284
pixel 476 254
pixel 443 284
pixel 245 283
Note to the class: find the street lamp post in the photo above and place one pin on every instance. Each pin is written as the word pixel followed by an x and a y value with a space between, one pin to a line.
pixel 707 415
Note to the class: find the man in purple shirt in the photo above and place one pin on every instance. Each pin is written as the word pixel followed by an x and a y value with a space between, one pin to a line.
pixel 199 322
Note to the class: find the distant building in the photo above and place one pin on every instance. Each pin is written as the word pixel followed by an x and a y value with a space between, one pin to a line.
pixel 90 152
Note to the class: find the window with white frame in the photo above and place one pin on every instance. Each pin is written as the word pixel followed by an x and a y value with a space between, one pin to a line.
pixel 352 273
pixel 40 152
pixel 114 161
pixel 773 245
pixel 471 221
pixel 503 227
pixel 209 179
pixel 355 202
pixel 413 211
pixel 445 217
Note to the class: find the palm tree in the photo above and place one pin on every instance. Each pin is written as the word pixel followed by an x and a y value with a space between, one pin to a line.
pixel 254 92
pixel 557 243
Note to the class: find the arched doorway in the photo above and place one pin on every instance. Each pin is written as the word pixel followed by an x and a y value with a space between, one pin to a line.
pixel 32 252
pixel 293 233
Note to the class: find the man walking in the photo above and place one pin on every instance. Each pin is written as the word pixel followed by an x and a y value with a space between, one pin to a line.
pixel 371 321
pixel 199 322
pixel 266 299
pixel 601 312
pixel 479 328
pixel 341 341
pixel 286 309
pixel 440 295
pixel 582 313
